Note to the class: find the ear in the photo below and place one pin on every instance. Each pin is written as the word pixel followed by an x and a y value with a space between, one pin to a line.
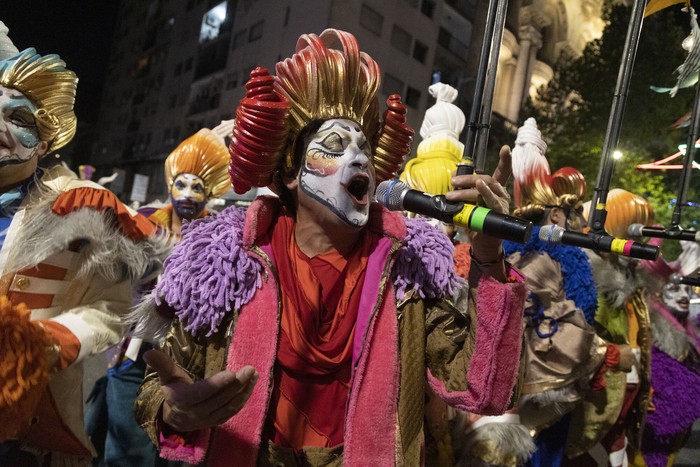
pixel 557 217
pixel 290 180
pixel 42 148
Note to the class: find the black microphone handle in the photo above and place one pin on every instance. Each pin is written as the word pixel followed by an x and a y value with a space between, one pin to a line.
pixel 608 244
pixel 436 207
pixel 476 218
pixel 687 280
pixel 657 232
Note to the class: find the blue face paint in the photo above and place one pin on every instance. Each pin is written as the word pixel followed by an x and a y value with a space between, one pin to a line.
pixel 28 138
pixel 19 134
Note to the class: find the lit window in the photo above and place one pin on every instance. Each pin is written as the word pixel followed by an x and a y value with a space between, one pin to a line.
pixel 211 23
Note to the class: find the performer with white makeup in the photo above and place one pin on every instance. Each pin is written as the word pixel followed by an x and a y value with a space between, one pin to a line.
pixel 71 256
pixel 614 419
pixel 307 329
pixel 195 172
pixel 675 359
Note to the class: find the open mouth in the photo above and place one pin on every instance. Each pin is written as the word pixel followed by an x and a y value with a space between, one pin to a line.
pixel 683 303
pixel 358 188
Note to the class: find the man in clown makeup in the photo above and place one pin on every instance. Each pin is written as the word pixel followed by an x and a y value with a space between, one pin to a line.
pixel 195 172
pixel 71 256
pixel 307 329
pixel 675 358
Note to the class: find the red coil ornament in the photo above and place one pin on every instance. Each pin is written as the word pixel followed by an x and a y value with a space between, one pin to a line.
pixel 394 141
pixel 318 82
pixel 259 134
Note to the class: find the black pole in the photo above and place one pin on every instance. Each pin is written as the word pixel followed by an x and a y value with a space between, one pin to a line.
pixel 482 136
pixel 612 137
pixel 480 81
pixel 689 157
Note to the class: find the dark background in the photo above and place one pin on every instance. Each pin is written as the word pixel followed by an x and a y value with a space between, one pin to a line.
pixel 80 31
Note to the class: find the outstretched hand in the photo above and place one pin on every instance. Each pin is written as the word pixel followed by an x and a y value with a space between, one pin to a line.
pixel 191 405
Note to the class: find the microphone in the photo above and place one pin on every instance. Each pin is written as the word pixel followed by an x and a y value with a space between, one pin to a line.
pixel 598 242
pixel 395 195
pixel 687 280
pixel 639 230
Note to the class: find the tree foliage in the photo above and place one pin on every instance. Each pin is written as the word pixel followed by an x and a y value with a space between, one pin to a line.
pixel 573 110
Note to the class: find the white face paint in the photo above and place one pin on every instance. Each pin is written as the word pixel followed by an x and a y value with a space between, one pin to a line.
pixel 337 171
pixel 676 297
pixel 19 134
pixel 188 196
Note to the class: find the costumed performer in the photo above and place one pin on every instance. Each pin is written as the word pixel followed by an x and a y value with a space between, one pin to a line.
pixel 431 172
pixel 307 328
pixel 195 172
pixel 71 257
pixel 614 419
pixel 564 358
pixel 675 360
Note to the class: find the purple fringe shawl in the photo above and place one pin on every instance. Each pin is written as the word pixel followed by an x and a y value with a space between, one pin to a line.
pixel 425 263
pixel 209 273
pixel 677 401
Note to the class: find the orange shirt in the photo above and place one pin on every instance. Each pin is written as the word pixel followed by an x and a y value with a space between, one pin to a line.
pixel 320 299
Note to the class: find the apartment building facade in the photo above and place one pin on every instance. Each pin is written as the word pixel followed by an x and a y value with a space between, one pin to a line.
pixel 180 65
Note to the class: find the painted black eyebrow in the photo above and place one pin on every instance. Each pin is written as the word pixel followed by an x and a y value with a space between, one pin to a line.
pixel 344 127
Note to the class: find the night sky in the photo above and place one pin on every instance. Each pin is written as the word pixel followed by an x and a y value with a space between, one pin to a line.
pixel 80 31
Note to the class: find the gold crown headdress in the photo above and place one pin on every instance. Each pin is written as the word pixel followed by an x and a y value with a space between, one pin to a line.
pixel 535 187
pixel 317 82
pixel 47 82
pixel 203 154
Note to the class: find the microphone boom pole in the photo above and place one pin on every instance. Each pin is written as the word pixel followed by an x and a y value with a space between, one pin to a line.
pixel 612 136
pixel 480 113
pixel 689 156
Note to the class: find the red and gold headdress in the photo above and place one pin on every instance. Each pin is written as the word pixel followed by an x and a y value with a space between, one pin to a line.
pixel 535 187
pixel 317 82
pixel 203 154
